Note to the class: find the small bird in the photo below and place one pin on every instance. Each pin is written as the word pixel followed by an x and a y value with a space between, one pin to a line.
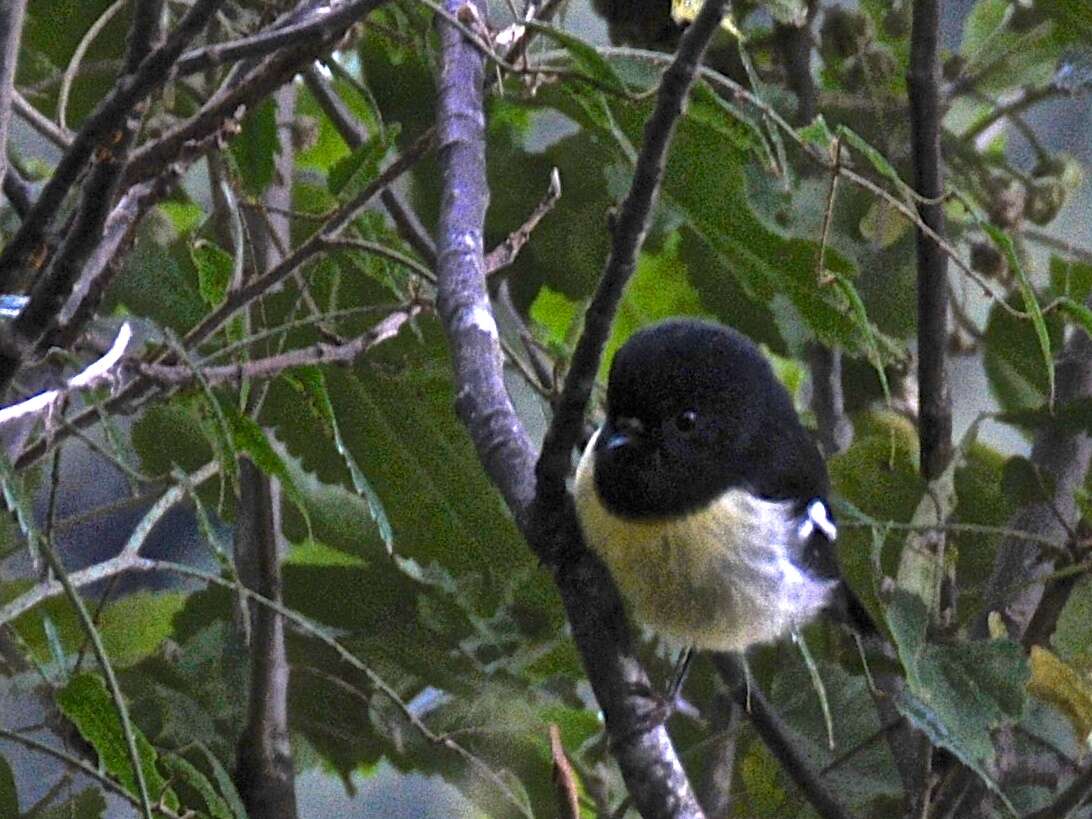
pixel 705 496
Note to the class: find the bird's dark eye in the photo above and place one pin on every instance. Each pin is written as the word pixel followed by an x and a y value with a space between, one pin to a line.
pixel 686 421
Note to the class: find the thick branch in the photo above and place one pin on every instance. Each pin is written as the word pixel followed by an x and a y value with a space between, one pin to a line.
pixel 923 79
pixel 463 305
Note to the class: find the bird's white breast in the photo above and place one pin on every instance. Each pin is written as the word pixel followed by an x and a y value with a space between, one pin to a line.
pixel 720 578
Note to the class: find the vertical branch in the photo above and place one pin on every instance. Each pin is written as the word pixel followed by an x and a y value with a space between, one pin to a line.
pixel 935 403
pixel 923 80
pixel 463 304
pixel 264 769
pixel 11 28
pixel 264 772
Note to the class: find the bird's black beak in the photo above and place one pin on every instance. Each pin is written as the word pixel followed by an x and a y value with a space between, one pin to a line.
pixel 622 432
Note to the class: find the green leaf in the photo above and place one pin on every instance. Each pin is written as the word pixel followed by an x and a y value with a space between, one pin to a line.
pixel 169 435
pixel 982 27
pixel 224 781
pixel 18 502
pixel 957 694
pixel 214 268
pixel 350 175
pixel 1071 278
pixel 250 438
pixel 313 384
pixel 1056 682
pixel 873 155
pixel 817 133
pixel 557 316
pixel 585 56
pixel 87 703
pixel 183 773
pixel 185 216
pixel 1031 303
pixel 1077 312
pixel 87 804
pixel 867 330
pixel 9 798
pixel 154 611
pixel 1013 359
pixel 254 148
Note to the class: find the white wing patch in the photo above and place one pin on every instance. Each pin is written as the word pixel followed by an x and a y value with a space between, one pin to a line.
pixel 817 518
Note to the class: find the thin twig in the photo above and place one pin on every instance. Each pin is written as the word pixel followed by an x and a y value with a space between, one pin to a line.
pixel 505 253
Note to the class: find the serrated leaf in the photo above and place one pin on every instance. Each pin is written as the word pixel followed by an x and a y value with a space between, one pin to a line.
pixel 182 771
pixel 88 705
pixel 1056 682
pixel 250 438
pixel 957 694
pixel 214 268
pixel 313 383
pixel 255 148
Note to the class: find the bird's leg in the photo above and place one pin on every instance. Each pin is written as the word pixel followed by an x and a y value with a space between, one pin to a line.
pixel 682 667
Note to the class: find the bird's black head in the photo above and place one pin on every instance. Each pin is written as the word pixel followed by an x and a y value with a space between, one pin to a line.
pixel 693 409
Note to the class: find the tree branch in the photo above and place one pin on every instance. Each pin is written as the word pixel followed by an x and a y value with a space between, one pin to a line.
pixel 923 80
pixel 462 302
pixel 243 89
pixel 179 375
